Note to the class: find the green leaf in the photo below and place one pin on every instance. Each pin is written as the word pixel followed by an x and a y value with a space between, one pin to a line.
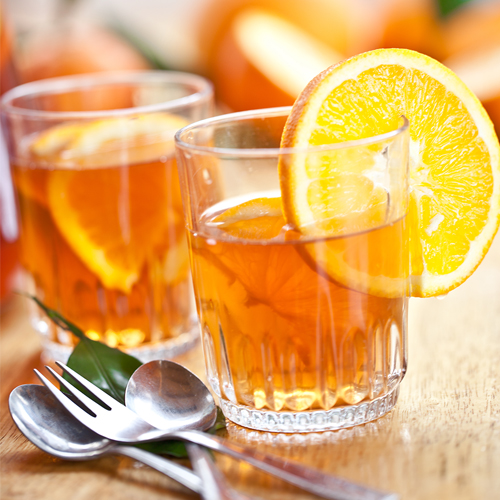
pixel 106 367
pixel 447 7
pixel 59 320
pixel 110 369
pixel 175 449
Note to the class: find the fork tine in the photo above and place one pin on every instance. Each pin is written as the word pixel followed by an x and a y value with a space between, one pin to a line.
pixel 73 408
pixel 100 394
pixel 91 405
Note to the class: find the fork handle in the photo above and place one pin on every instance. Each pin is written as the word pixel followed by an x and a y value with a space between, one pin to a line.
pixel 175 471
pixel 308 479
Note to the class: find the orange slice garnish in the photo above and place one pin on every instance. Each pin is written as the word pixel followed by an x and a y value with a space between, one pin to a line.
pixel 454 163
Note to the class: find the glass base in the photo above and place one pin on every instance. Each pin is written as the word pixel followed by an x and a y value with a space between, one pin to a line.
pixel 310 421
pixel 166 349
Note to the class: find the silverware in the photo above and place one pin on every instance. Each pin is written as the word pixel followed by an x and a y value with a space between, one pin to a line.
pixel 45 423
pixel 160 399
pixel 50 427
pixel 119 423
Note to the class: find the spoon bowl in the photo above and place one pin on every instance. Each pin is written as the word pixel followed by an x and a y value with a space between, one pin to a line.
pixel 51 428
pixel 170 397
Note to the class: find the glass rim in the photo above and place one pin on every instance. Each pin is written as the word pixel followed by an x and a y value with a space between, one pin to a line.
pixel 203 92
pixel 270 152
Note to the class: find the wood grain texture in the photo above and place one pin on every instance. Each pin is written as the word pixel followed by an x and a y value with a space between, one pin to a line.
pixel 441 442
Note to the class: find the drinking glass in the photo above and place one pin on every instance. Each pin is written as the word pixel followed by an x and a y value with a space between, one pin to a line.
pixel 300 332
pixel 101 223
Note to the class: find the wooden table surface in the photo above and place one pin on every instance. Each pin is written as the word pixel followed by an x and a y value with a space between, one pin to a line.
pixel 442 441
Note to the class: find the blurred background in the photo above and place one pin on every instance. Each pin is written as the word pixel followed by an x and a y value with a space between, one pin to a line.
pixel 258 53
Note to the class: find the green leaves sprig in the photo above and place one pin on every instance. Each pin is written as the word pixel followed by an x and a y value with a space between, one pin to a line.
pixel 110 369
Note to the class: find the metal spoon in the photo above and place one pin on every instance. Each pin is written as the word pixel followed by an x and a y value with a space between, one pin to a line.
pixel 186 399
pixel 169 397
pixel 42 419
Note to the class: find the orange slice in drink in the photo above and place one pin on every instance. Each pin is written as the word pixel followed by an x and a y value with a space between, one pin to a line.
pixel 109 142
pixel 256 219
pixel 258 268
pixel 32 183
pixel 454 163
pixel 108 192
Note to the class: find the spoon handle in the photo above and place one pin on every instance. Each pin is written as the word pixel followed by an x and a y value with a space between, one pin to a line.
pixel 308 479
pixel 175 471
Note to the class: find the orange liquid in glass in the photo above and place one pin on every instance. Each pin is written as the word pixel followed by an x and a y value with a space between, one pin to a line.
pixel 278 332
pixel 116 199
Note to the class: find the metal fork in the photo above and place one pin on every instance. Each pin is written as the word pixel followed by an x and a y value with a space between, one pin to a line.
pixel 212 485
pixel 118 423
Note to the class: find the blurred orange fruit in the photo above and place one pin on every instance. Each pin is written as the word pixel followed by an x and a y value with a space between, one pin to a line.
pixel 472 28
pixel 340 25
pixel 454 162
pixel 345 28
pixel 75 50
pixel 265 61
pixel 472 36
pixel 412 24
pixel 480 70
pixel 78 49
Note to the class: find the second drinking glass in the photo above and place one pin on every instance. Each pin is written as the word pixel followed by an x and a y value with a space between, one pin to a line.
pixel 102 231
pixel 300 333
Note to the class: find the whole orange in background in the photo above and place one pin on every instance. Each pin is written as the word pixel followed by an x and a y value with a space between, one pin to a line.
pixel 338 23
pixel 472 35
pixel 265 61
pixel 242 83
pixel 78 48
pixel 480 70
pixel 412 24
pixel 75 49
pixel 473 27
